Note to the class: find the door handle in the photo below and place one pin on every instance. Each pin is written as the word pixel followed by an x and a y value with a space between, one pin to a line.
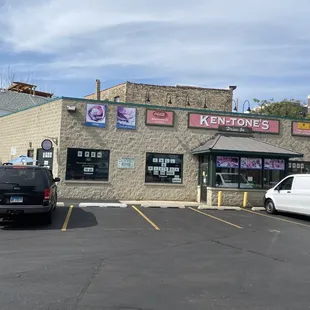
pixel 288 192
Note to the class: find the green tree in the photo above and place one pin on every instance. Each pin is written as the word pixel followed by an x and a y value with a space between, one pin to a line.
pixel 285 108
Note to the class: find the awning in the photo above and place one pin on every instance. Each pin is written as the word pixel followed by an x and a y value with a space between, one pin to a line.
pixel 243 145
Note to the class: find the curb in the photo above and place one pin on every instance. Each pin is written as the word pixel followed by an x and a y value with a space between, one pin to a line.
pixel 163 206
pixel 102 205
pixel 60 204
pixel 258 209
pixel 219 208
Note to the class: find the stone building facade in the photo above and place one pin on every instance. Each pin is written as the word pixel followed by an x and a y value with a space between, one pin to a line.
pixel 174 96
pixel 66 128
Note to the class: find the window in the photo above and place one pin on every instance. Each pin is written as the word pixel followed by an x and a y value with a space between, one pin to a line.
pixel 274 171
pixel 251 169
pixel 87 164
pixel 227 171
pixel 164 168
pixel 299 167
pixel 286 185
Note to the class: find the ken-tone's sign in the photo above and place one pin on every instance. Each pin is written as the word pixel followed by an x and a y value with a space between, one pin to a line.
pixel 301 128
pixel 159 118
pixel 215 121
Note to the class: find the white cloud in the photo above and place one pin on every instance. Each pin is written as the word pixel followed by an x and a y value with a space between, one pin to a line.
pixel 210 43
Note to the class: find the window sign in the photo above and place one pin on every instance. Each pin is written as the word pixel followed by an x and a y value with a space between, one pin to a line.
pixel 87 166
pixel 274 164
pixel 227 162
pixel 251 163
pixel 126 118
pixel 164 168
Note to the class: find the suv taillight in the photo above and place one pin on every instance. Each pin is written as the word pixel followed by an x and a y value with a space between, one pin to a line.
pixel 47 194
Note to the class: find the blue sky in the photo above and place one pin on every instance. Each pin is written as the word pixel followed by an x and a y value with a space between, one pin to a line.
pixel 65 45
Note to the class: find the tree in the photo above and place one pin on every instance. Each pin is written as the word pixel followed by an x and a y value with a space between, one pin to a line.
pixel 285 108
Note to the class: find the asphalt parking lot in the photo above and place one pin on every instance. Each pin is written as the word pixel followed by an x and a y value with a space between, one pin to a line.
pixel 139 258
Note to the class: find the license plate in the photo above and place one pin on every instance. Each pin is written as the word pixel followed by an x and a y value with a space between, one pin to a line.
pixel 16 199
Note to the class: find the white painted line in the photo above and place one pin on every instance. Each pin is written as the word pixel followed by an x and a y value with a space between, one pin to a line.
pixel 60 204
pixel 258 209
pixel 102 205
pixel 163 206
pixel 218 208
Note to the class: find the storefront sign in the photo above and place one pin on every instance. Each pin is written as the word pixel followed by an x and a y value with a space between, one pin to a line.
pixel 126 118
pixel 215 121
pixel 301 128
pixel 251 163
pixel 95 115
pixel 159 118
pixel 126 163
pixel 46 145
pixel 235 129
pixel 227 162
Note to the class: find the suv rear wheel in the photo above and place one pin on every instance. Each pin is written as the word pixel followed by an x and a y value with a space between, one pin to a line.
pixel 269 206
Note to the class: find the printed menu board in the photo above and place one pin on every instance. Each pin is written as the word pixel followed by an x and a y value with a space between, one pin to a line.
pixel 274 164
pixel 227 162
pixel 251 163
pixel 164 168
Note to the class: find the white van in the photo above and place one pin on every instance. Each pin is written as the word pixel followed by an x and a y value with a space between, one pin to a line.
pixel 292 194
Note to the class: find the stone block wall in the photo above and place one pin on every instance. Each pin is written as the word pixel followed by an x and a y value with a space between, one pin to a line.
pixel 30 126
pixel 129 183
pixel 110 93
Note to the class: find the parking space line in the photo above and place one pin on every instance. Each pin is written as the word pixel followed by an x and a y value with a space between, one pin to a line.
pixel 146 218
pixel 64 226
pixel 216 218
pixel 277 218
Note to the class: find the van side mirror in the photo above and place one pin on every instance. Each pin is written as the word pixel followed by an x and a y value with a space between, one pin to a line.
pixel 57 180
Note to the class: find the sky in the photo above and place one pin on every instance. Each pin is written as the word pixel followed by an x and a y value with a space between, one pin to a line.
pixel 63 46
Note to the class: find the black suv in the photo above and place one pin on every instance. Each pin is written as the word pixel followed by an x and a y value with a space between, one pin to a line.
pixel 27 190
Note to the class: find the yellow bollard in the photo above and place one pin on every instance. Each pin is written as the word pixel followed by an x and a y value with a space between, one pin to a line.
pixel 219 198
pixel 245 199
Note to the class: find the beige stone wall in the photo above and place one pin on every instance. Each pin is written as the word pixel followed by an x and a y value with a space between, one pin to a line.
pixel 215 99
pixel 130 183
pixel 30 126
pixel 110 93
pixel 234 197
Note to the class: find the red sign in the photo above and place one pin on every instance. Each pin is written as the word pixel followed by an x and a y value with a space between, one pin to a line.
pixel 301 128
pixel 214 121
pixel 159 117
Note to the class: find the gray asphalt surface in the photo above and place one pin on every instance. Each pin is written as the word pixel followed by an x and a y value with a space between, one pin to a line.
pixel 115 259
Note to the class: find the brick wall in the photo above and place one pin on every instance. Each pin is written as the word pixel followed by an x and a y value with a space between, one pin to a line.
pixel 31 125
pixel 110 93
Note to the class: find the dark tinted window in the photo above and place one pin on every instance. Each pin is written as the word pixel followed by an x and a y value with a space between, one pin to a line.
pixel 24 177
pixel 87 164
pixel 164 168
pixel 286 184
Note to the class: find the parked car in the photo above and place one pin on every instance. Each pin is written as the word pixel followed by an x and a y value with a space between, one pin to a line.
pixel 292 194
pixel 27 190
pixel 231 180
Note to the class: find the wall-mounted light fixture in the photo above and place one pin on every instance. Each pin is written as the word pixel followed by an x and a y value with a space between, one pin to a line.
pixel 235 109
pixel 71 108
pixel 205 105
pixel 249 106
pixel 187 101
pixel 147 97
pixel 169 101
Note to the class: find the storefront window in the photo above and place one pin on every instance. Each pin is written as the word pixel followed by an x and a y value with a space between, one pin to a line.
pixel 298 167
pixel 164 168
pixel 87 164
pixel 274 171
pixel 227 172
pixel 251 169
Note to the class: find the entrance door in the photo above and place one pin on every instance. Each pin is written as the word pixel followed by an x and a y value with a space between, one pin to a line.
pixel 203 182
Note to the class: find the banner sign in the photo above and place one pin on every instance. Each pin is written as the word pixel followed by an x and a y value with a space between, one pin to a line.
pixel 95 115
pixel 215 121
pixel 159 118
pixel 126 118
pixel 300 129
